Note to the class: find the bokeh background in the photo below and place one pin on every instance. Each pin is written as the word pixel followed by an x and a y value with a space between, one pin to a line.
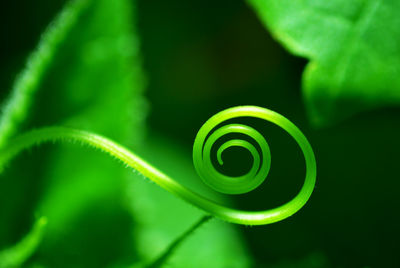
pixel 200 57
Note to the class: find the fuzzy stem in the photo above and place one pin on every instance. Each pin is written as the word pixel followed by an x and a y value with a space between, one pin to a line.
pixel 167 253
pixel 18 254
pixel 132 160
pixel 16 107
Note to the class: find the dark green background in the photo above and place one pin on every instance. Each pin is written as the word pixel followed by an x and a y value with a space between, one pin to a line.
pixel 203 56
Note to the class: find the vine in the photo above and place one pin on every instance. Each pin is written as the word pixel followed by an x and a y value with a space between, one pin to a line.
pixel 203 143
pixel 158 262
pixel 16 107
pixel 16 255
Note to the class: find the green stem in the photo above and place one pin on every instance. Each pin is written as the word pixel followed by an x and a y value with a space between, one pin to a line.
pixel 16 108
pixel 201 161
pixel 18 254
pixel 167 253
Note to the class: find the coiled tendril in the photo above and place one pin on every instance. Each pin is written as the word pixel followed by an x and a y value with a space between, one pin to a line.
pixel 202 154
pixel 202 161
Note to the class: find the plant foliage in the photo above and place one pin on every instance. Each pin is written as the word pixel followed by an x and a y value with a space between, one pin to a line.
pixel 353 48
pixel 86 73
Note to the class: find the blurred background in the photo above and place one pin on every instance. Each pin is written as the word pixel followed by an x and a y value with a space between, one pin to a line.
pixel 200 57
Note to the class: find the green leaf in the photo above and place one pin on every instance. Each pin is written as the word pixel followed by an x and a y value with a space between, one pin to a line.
pixel 94 82
pixel 18 254
pixel 352 47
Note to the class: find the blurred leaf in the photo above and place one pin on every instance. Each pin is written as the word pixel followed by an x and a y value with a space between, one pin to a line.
pixel 352 47
pixel 94 82
pixel 19 253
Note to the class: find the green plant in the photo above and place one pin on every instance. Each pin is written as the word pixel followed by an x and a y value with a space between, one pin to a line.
pixel 20 102
pixel 19 253
pixel 350 46
pixel 202 161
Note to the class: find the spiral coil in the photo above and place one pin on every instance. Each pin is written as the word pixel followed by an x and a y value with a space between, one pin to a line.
pixel 211 176
pixel 202 148
pixel 212 130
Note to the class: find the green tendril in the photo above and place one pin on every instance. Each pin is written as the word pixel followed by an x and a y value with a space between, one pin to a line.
pixel 203 143
pixel 16 108
pixel 18 254
pixel 161 260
